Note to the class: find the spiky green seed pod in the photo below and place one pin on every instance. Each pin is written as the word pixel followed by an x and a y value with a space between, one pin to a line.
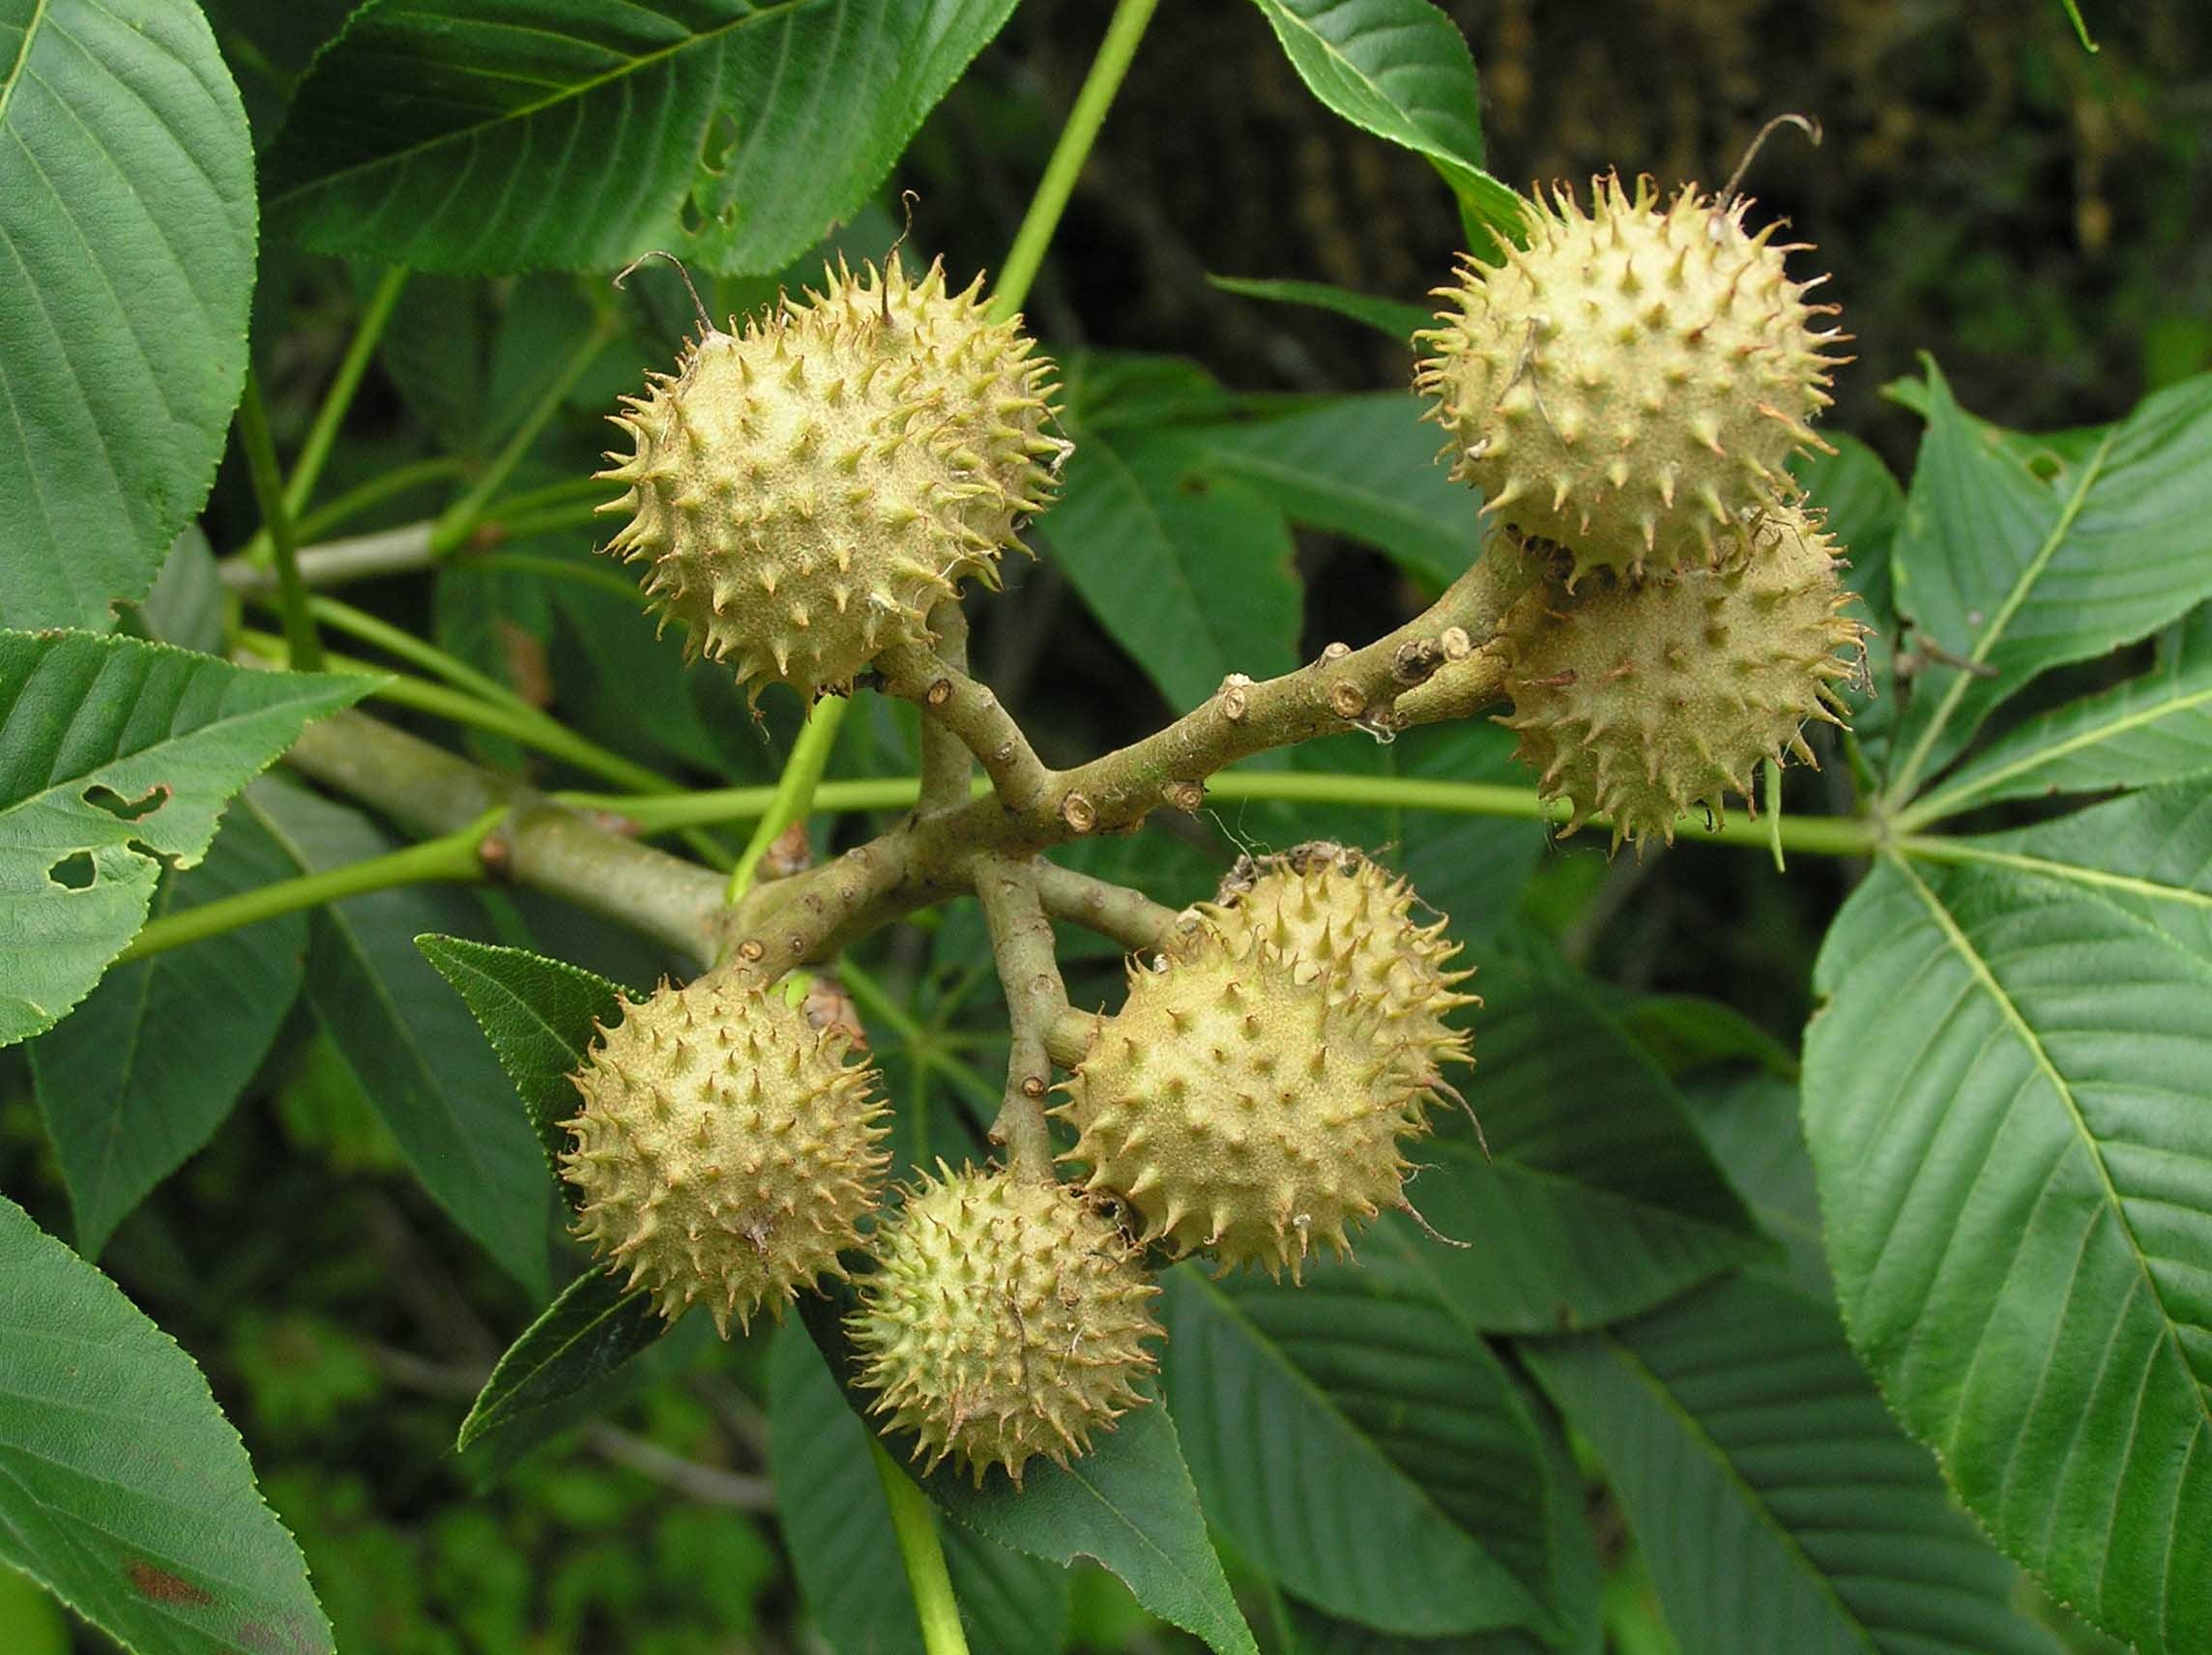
pixel 1330 903
pixel 726 1150
pixel 1248 1102
pixel 1004 1320
pixel 805 489
pixel 1645 699
pixel 1633 383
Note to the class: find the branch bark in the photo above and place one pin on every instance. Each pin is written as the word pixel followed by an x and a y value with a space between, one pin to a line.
pixel 1128 917
pixel 1020 943
pixel 430 791
pixel 953 703
pixel 944 759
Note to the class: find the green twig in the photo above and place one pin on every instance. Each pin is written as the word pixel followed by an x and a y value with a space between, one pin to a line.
pixel 304 650
pixel 1020 267
pixel 1814 835
pixel 459 520
pixel 455 858
pixel 915 1521
pixel 402 645
pixel 307 468
pixel 318 523
pixel 927 1046
pixel 528 726
pixel 561 568
pixel 793 795
pixel 300 488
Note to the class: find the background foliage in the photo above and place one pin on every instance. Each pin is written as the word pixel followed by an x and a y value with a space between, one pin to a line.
pixel 1706 1381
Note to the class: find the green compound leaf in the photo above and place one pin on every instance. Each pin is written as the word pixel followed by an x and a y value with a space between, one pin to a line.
pixel 1362 1448
pixel 126 219
pixel 540 1016
pixel 138 1077
pixel 1777 1505
pixel 562 132
pixel 410 1042
pixel 1129 1503
pixel 1189 572
pixel 2152 729
pixel 838 1529
pixel 1360 466
pixel 1392 316
pixel 2004 1102
pixel 1399 68
pixel 115 753
pixel 123 1488
pixel 2013 573
pixel 1598 1199
pixel 585 1334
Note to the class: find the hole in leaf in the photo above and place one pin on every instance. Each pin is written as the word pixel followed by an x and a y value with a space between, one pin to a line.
pixel 73 871
pixel 127 809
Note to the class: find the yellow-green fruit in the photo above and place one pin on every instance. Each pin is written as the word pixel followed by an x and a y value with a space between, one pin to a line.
pixel 1634 381
pixel 1004 1320
pixel 726 1150
pixel 1247 1102
pixel 1644 699
pixel 805 488
pixel 1328 903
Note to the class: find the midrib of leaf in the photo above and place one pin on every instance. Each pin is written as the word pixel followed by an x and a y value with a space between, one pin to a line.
pixel 482 1418
pixel 1427 145
pixel 16 69
pixel 1235 459
pixel 1955 691
pixel 566 93
pixel 1368 1445
pixel 1936 849
pixel 1962 945
pixel 1197 1586
pixel 1946 802
pixel 1695 1429
pixel 1158 524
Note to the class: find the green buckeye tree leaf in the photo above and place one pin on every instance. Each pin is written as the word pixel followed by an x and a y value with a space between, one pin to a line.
pixel 1395 317
pixel 140 1075
pixel 1399 68
pixel 2152 729
pixel 558 133
pixel 123 1488
pixel 1363 1448
pixel 1777 1505
pixel 1597 1199
pixel 838 1529
pixel 2003 1099
pixel 113 754
pixel 1129 1503
pixel 409 1039
pixel 540 1016
pixel 2015 573
pixel 126 219
pixel 591 1328
pixel 1188 572
pixel 1363 467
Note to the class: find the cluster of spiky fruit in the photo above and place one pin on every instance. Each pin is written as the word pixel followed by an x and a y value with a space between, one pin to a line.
pixel 1249 1097
pixel 1628 391
pixel 806 487
pixel 1248 1100
pixel 1004 1320
pixel 726 1150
